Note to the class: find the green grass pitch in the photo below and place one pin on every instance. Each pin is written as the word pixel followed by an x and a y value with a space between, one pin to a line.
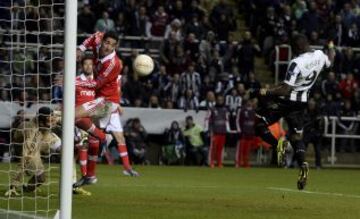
pixel 200 192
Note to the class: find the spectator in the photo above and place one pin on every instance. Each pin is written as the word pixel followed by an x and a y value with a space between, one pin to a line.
pixel 347 16
pixel 105 23
pixel 268 28
pixel 348 62
pixel 154 102
pixel 189 101
pixel 133 89
pixel 315 40
pixel 252 82
pixel 175 89
pixel 120 25
pixel 140 23
pixel 348 86
pixel 86 20
pixel 206 86
pixel 195 27
pixel 240 88
pixel 233 101
pixel 337 31
pixel 177 11
pixel 221 10
pixel 228 53
pixel 174 27
pixel 299 8
pixel 161 81
pixel 347 127
pixel 310 20
pixel 313 130
pixel 136 136
pixel 173 152
pixel 179 61
pixel 57 80
pixel 330 85
pixel 159 22
pixel 168 49
pixel 205 22
pixel 191 47
pixel 196 152
pixel 246 53
pixel 195 10
pixel 223 27
pixel 224 84
pixel 209 102
pixel 190 80
pixel 353 36
pixel 332 106
pixel 206 48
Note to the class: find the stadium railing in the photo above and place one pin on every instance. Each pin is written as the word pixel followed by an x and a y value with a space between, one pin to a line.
pixel 141 44
pixel 332 133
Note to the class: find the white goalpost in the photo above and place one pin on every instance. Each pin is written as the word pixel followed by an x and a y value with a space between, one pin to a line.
pixel 37 51
pixel 69 108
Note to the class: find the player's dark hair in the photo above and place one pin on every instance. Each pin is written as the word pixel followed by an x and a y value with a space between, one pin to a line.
pixel 299 44
pixel 112 35
pixel 86 57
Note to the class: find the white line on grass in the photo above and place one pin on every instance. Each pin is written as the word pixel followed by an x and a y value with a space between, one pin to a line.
pixel 164 186
pixel 17 214
pixel 313 192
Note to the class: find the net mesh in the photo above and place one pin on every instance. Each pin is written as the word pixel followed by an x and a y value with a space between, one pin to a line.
pixel 31 66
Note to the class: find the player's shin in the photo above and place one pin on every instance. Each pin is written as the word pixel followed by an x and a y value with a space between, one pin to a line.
pixel 93 155
pixel 299 147
pixel 83 157
pixel 87 125
pixel 124 156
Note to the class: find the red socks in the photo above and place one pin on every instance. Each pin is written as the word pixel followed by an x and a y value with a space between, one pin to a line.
pixel 124 156
pixel 87 125
pixel 83 157
pixel 93 155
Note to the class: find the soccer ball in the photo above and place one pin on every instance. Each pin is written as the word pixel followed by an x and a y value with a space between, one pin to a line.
pixel 143 65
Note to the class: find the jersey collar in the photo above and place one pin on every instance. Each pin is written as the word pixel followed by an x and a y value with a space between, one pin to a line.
pixel 84 78
pixel 108 57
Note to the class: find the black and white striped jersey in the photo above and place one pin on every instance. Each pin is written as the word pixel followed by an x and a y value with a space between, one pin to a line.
pixel 303 72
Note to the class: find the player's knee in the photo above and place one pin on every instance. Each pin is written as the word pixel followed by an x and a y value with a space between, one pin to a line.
pixel 119 136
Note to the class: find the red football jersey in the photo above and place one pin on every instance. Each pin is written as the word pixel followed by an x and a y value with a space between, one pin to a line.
pixel 85 89
pixel 108 69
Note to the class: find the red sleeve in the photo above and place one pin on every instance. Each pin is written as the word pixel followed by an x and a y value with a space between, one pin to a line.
pixel 91 41
pixel 108 73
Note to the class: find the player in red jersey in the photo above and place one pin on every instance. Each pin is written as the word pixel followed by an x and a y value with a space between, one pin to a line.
pixel 85 100
pixel 108 68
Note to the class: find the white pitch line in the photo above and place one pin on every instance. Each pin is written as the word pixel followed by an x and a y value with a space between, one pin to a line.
pixel 17 214
pixel 164 186
pixel 313 192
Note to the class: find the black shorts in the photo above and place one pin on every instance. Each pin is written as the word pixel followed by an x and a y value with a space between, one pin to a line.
pixel 270 111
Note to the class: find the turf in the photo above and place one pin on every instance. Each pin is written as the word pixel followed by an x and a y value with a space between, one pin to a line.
pixel 199 192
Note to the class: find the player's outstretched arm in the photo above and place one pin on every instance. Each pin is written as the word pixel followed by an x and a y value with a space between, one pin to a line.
pixel 282 89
